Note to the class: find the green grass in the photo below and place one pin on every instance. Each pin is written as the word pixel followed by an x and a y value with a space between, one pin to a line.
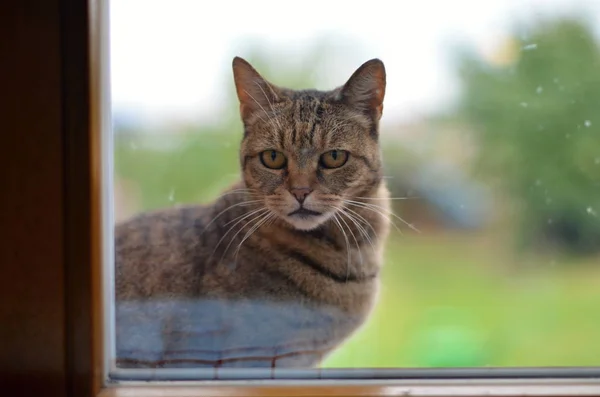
pixel 448 301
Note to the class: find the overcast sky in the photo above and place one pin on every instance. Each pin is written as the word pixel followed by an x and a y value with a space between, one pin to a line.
pixel 171 58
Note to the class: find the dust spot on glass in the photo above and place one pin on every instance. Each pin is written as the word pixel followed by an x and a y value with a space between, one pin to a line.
pixel 591 211
pixel 539 90
pixel 172 195
pixel 524 104
pixel 587 123
pixel 529 47
pixel 567 136
pixel 133 145
pixel 597 160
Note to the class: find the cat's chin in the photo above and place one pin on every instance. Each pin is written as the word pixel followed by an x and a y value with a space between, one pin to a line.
pixel 307 223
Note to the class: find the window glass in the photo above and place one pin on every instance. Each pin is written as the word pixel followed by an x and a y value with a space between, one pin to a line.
pixel 489 141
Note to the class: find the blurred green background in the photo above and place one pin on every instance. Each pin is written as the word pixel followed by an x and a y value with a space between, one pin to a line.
pixel 505 189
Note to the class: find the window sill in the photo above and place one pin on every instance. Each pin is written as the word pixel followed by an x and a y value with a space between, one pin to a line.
pixel 459 387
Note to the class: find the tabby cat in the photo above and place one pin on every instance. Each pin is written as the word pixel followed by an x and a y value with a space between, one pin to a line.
pixel 284 266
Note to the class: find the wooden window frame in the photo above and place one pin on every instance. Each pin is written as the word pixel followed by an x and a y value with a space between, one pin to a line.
pixel 51 310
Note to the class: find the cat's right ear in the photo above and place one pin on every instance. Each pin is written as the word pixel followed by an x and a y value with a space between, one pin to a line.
pixel 365 89
pixel 253 91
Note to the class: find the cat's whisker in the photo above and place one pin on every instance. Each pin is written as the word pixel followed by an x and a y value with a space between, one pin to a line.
pixel 352 218
pixel 259 211
pixel 362 259
pixel 388 198
pixel 361 218
pixel 270 103
pixel 356 219
pixel 335 218
pixel 381 210
pixel 239 191
pixel 243 203
pixel 252 230
pixel 385 212
pixel 386 216
pixel 240 216
pixel 273 124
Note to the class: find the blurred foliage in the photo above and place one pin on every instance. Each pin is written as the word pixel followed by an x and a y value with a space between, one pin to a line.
pixel 536 121
pixel 195 169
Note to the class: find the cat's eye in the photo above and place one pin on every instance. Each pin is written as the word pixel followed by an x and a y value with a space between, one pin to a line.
pixel 273 159
pixel 334 158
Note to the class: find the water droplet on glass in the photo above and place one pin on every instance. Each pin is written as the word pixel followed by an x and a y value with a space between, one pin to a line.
pixel 591 211
pixel 587 123
pixel 172 195
pixel 529 47
pixel 539 90
pixel 524 104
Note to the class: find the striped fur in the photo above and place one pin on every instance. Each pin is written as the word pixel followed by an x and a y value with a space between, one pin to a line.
pixel 245 250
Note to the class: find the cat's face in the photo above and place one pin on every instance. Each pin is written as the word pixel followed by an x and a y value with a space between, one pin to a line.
pixel 305 153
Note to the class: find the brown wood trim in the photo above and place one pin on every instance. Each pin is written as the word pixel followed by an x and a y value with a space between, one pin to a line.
pixel 32 309
pixel 81 201
pixel 48 207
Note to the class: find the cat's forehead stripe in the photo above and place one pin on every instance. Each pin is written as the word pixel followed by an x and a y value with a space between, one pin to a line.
pixel 307 114
pixel 317 120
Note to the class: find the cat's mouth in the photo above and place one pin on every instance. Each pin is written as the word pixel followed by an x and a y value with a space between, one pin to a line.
pixel 304 213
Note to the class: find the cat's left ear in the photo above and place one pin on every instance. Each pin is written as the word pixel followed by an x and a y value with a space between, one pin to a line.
pixel 365 89
pixel 253 91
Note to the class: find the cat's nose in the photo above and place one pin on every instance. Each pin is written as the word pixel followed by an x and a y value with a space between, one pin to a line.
pixel 300 193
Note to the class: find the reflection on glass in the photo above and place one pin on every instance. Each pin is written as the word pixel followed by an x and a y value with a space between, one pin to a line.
pixel 494 241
